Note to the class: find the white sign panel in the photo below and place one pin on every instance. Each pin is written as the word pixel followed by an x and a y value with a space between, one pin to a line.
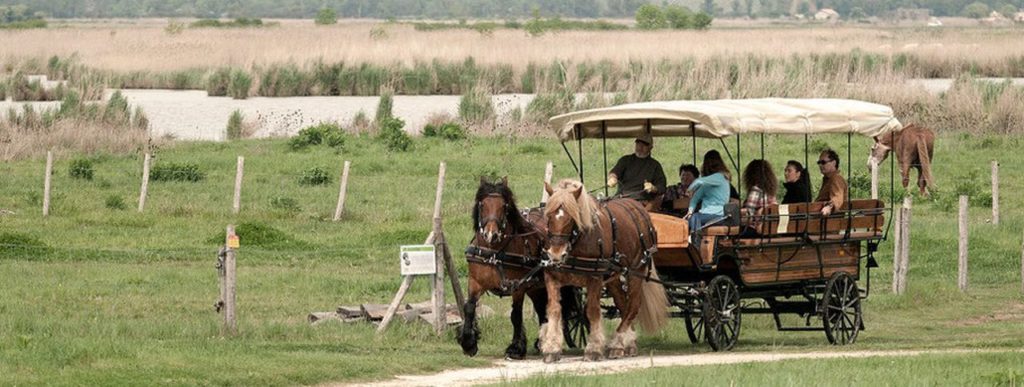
pixel 417 260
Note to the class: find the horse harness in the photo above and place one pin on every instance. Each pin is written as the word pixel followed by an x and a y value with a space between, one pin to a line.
pixel 502 259
pixel 608 265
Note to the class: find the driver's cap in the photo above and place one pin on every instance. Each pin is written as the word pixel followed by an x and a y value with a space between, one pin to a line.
pixel 645 138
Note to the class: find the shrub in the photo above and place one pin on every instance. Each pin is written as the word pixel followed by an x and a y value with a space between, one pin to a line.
pixel 326 16
pixel 329 134
pixel 384 107
pixel 218 83
pixel 234 129
pixel 81 169
pixel 650 17
pixel 677 17
pixel 448 131
pixel 475 106
pixel 261 235
pixel 701 21
pixel 976 10
pixel 115 202
pixel 285 204
pixel 240 84
pixel 314 176
pixel 177 172
pixel 394 138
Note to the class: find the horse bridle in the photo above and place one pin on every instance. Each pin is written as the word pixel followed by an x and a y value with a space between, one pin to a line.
pixel 501 221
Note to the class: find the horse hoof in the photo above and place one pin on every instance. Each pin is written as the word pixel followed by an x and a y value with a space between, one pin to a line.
pixel 536 345
pixel 552 357
pixel 513 355
pixel 592 356
pixel 470 351
pixel 615 353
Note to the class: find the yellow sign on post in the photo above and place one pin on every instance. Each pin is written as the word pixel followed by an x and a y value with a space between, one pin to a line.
pixel 233 242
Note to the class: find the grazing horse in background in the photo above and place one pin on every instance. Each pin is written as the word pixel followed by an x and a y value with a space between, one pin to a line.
pixel 591 244
pixel 504 257
pixel 914 147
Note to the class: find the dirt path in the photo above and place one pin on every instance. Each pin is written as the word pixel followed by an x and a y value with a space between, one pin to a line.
pixel 508 370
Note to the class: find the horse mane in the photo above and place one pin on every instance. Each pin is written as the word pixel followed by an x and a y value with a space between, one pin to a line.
pixel 584 211
pixel 512 215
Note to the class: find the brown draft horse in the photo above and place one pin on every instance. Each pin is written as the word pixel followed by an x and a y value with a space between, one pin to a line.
pixel 591 244
pixel 914 148
pixel 504 257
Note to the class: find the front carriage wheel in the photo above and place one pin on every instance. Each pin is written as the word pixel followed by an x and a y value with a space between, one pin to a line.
pixel 841 312
pixel 575 324
pixel 722 313
pixel 694 324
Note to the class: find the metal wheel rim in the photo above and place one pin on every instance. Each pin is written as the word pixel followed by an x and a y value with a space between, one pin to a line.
pixel 694 325
pixel 722 315
pixel 842 310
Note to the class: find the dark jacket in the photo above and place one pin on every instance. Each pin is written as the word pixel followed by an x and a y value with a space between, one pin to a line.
pixel 797 192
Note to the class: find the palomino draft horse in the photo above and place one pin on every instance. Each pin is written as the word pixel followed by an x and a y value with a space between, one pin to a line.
pixel 591 244
pixel 504 257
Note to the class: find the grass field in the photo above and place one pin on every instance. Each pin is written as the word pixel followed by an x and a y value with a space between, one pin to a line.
pixel 94 294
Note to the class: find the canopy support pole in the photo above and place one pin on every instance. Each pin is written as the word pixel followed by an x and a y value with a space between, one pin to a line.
pixel 728 153
pixel 604 149
pixel 579 146
pixel 566 149
pixel 693 135
pixel 739 173
pixel 762 146
pixel 806 165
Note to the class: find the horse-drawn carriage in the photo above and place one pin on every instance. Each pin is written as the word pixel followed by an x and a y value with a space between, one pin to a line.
pixel 800 262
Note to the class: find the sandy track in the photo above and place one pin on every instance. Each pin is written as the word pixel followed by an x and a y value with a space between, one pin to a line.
pixel 509 370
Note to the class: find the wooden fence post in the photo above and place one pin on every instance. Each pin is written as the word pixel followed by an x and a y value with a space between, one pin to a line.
pixel 905 243
pixel 46 183
pixel 231 244
pixel 341 192
pixel 896 249
pixel 1022 265
pixel 874 180
pixel 144 190
pixel 995 192
pixel 962 266
pixel 437 296
pixel 548 171
pixel 239 170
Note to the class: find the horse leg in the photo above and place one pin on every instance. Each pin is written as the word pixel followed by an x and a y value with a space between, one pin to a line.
pixel 905 172
pixel 517 349
pixel 539 299
pixel 625 330
pixel 551 333
pixel 922 183
pixel 616 348
pixel 470 333
pixel 595 342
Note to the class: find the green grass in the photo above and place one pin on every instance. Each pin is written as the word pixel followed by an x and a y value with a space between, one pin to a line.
pixel 99 295
pixel 988 369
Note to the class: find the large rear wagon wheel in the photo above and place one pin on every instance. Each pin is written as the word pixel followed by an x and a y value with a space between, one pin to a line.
pixel 575 324
pixel 722 313
pixel 841 311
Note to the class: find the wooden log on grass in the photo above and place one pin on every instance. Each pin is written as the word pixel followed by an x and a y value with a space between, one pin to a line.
pixel 144 190
pixel 962 256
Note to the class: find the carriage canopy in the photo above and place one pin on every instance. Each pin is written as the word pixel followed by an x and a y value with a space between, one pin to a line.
pixel 723 118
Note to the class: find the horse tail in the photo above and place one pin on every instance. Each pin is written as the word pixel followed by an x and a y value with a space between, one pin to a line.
pixel 653 313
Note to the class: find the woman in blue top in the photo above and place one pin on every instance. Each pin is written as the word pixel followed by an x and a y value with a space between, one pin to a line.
pixel 710 191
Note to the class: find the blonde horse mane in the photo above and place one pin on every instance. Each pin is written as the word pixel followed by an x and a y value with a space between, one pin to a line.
pixel 584 210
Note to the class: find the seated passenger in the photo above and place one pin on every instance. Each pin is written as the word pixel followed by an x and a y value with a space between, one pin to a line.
pixel 638 175
pixel 833 186
pixel 710 192
pixel 797 183
pixel 760 184
pixel 675 195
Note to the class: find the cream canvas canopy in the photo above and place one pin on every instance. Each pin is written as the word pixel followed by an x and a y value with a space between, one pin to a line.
pixel 723 118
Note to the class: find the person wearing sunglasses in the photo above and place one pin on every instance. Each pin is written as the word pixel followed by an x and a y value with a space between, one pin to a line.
pixel 833 186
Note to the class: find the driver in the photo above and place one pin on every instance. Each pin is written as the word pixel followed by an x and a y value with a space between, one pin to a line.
pixel 639 176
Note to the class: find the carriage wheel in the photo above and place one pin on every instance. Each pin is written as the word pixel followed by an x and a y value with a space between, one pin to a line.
pixel 694 324
pixel 575 325
pixel 841 312
pixel 722 313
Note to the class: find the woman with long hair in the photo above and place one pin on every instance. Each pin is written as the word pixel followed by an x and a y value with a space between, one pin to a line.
pixel 760 183
pixel 710 191
pixel 797 183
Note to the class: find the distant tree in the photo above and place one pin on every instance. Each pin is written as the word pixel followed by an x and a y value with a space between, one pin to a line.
pixel 857 13
pixel 650 17
pixel 678 17
pixel 701 21
pixel 976 10
pixel 326 16
pixel 1008 10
